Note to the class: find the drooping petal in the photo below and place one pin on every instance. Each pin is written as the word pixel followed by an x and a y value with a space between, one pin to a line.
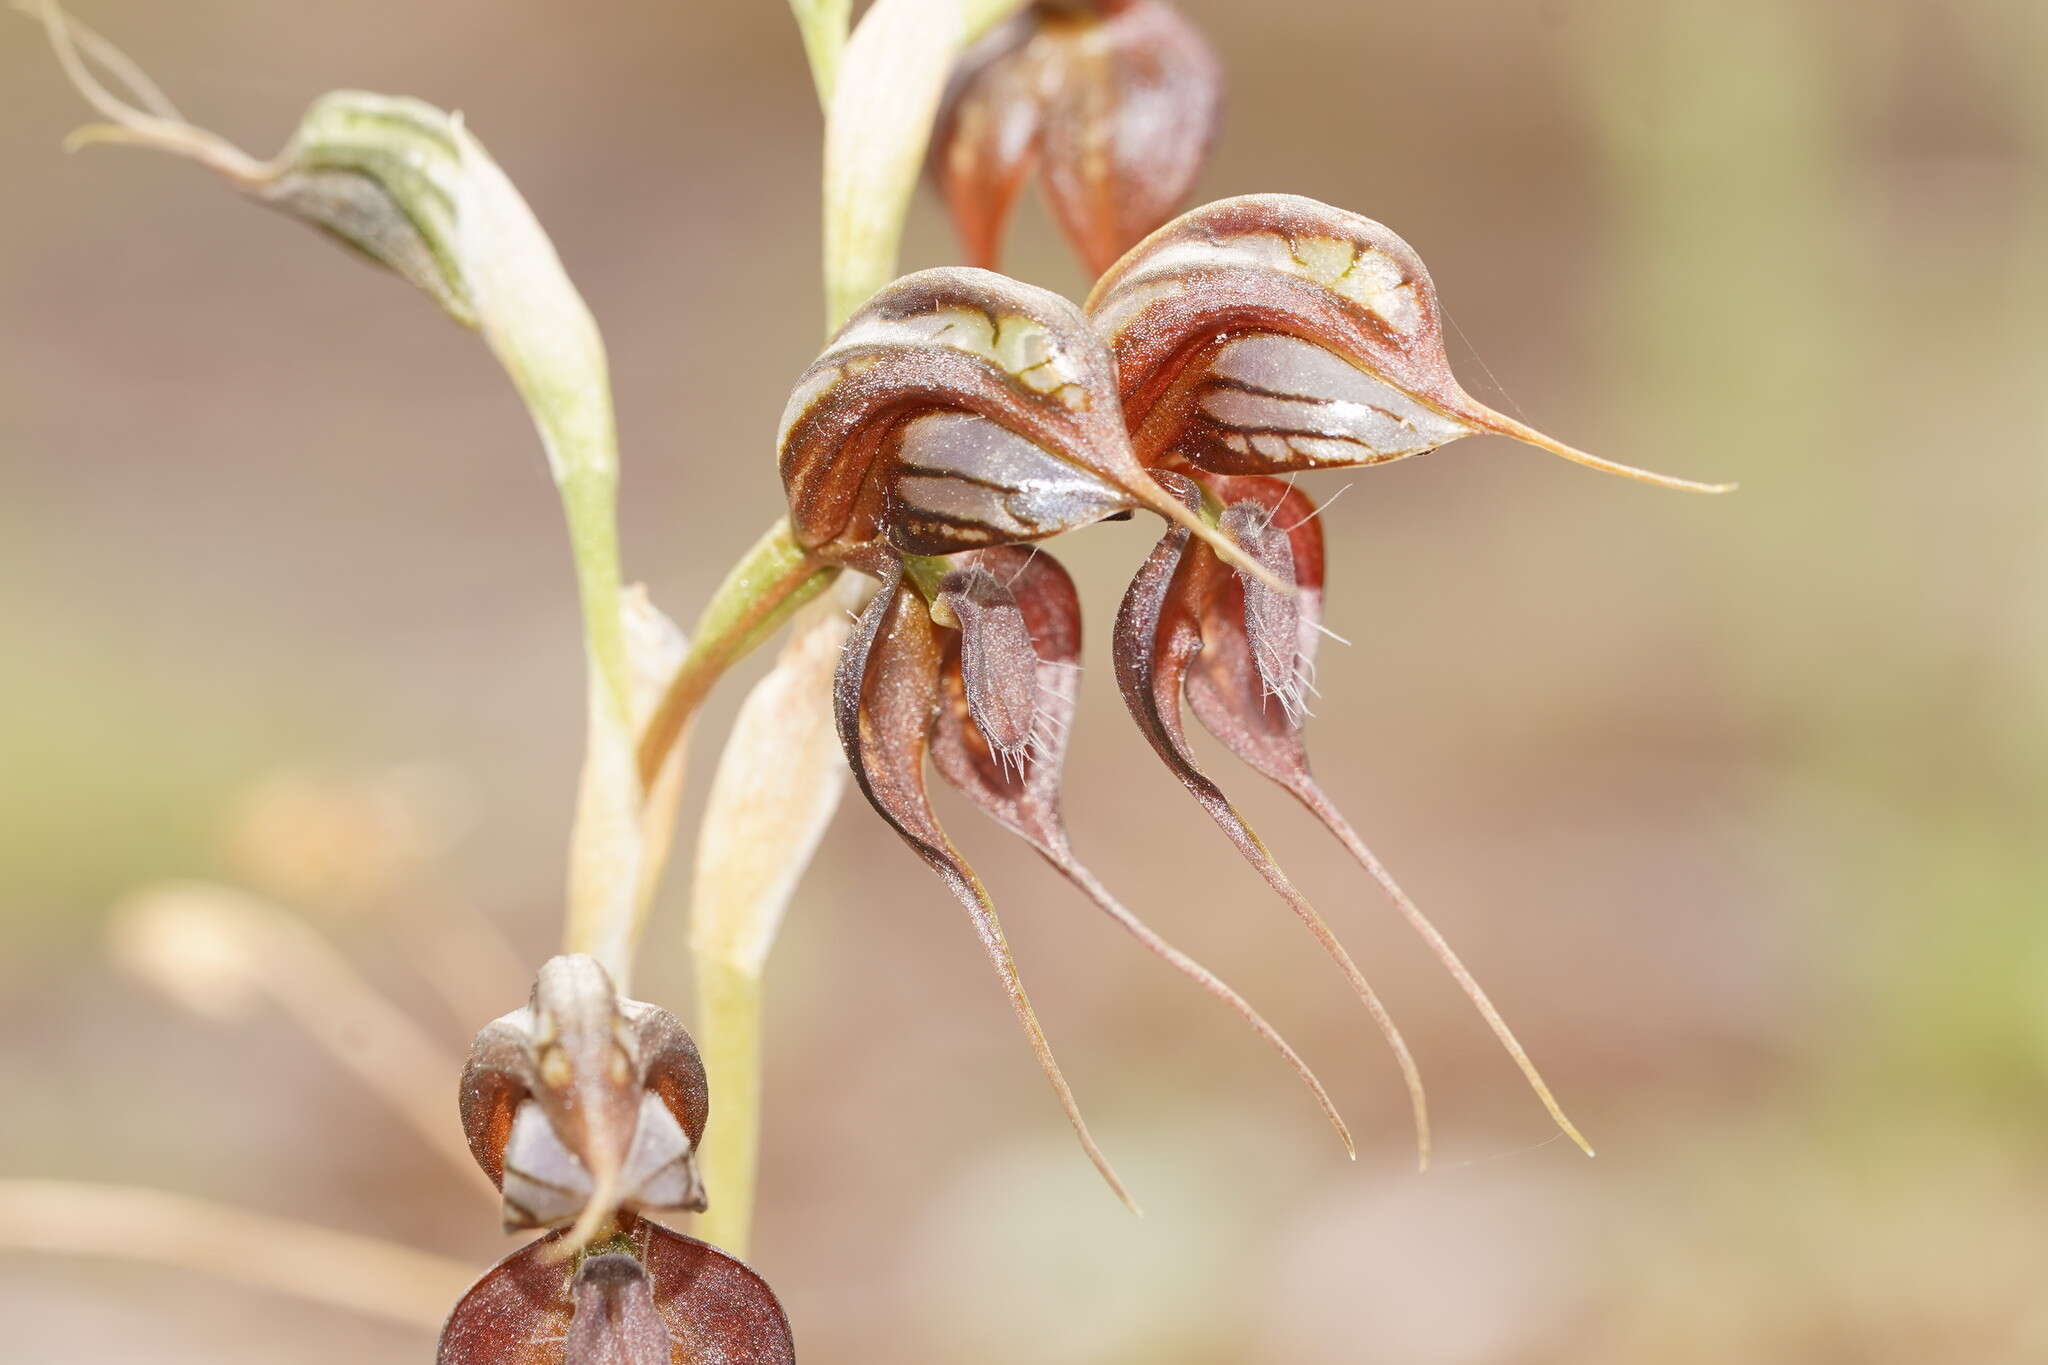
pixel 1157 636
pixel 1229 689
pixel 957 410
pixel 1135 96
pixel 533 1308
pixel 1019 788
pixel 1269 333
pixel 884 700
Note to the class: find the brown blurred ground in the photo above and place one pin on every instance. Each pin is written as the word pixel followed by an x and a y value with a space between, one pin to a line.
pixel 1736 804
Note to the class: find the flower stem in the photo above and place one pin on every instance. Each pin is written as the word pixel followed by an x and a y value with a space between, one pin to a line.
pixel 769 582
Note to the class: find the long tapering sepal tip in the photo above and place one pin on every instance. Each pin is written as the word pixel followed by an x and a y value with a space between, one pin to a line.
pixel 1503 425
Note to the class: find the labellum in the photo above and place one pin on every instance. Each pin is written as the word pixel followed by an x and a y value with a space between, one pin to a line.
pixel 584 1104
pixel 1270 333
pixel 1231 685
pixel 957 410
pixel 1116 102
pixel 649 1297
pixel 1158 635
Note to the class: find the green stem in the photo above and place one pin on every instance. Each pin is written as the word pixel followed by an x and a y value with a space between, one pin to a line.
pixel 729 1030
pixel 770 581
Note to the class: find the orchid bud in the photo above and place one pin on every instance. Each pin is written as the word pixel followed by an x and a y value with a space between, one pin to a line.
pixel 585 1103
pixel 1270 333
pixel 1245 683
pixel 648 1297
pixel 956 410
pixel 1115 101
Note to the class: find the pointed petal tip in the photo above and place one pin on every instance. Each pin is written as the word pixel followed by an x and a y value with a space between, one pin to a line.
pixel 1504 425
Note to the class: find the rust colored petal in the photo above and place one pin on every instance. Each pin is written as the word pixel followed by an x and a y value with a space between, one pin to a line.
pixel 1019 789
pixel 1134 99
pixel 884 700
pixel 1269 333
pixel 534 1308
pixel 1157 636
pixel 1229 690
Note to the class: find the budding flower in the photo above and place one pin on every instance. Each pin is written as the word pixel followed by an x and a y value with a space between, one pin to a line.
pixel 1116 103
pixel 585 1103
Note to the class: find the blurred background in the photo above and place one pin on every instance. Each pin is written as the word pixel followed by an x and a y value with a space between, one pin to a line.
pixel 1735 804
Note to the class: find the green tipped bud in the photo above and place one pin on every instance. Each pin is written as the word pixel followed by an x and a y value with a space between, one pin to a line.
pixel 383 175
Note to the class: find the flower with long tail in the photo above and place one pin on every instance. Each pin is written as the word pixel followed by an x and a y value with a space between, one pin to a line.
pixel 961 415
pixel 1270 333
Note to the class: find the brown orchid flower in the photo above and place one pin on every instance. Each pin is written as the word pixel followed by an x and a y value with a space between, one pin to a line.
pixel 1115 102
pixel 1254 336
pixel 584 1103
pixel 585 1109
pixel 960 416
pixel 1269 334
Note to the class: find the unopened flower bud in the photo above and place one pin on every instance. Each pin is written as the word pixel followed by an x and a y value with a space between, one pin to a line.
pixel 1114 101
